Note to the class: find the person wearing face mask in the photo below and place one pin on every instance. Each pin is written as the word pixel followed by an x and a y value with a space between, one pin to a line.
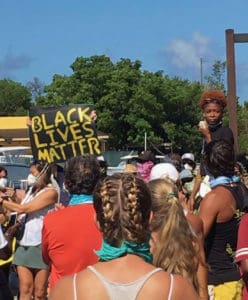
pixel 26 184
pixel 213 103
pixel 188 172
pixel 32 175
pixel 38 201
pixel 3 177
pixel 188 161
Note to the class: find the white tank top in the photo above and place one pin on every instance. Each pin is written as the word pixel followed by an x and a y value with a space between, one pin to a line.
pixel 123 291
pixel 34 221
pixel 3 241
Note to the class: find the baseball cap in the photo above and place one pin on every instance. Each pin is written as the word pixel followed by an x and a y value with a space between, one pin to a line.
pixel 163 170
pixel 189 156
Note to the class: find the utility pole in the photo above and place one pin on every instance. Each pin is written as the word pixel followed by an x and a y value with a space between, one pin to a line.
pixel 232 38
pixel 201 70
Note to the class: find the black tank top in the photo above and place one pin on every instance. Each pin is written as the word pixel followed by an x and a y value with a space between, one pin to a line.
pixel 221 243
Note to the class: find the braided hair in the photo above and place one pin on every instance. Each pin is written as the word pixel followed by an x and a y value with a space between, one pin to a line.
pixel 123 204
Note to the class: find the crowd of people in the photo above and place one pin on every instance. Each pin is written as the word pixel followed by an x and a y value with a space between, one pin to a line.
pixel 150 232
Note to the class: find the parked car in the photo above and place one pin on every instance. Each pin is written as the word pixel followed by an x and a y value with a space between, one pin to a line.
pixel 16 163
pixel 132 157
pixel 17 174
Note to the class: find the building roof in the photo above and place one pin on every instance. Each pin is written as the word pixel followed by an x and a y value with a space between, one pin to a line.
pixel 13 128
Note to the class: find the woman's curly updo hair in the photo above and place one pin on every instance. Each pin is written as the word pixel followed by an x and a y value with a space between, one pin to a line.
pixel 81 174
pixel 123 204
pixel 213 96
pixel 219 158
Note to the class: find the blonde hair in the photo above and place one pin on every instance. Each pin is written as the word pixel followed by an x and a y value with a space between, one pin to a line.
pixel 175 251
pixel 123 204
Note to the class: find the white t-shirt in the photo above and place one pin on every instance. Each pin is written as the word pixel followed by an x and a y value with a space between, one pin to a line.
pixel 3 241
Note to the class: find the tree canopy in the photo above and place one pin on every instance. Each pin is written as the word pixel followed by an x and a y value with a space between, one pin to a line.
pixel 131 103
pixel 15 99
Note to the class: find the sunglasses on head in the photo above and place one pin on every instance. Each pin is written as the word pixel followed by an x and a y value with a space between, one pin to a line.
pixel 188 161
pixel 216 101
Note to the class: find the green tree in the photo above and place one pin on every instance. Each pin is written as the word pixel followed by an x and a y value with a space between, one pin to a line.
pixel 15 99
pixel 87 84
pixel 36 88
pixel 131 102
pixel 114 107
pixel 182 114
pixel 243 127
pixel 216 79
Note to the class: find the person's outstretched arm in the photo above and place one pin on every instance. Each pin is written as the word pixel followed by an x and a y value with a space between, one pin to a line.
pixel 196 188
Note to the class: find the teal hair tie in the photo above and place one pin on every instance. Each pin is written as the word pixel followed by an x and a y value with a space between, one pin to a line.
pixel 108 252
pixel 170 196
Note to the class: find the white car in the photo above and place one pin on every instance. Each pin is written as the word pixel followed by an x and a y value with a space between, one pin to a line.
pixel 119 168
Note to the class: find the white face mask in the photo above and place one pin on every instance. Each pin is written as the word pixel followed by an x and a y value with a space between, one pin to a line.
pixel 187 167
pixel 31 179
pixel 3 182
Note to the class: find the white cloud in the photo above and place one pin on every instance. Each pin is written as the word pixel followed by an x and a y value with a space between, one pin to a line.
pixel 183 58
pixel 186 54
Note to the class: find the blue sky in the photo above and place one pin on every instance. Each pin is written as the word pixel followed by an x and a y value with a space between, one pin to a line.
pixel 43 38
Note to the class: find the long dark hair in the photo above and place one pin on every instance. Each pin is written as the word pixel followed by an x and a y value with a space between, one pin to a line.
pixel 44 178
pixel 219 158
pixel 81 174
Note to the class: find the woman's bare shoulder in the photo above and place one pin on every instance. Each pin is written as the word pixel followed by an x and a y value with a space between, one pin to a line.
pixel 50 192
pixel 183 289
pixel 158 287
pixel 161 283
pixel 65 286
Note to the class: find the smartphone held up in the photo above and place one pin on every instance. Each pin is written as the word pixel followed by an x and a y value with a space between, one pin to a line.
pixel 12 219
pixel 203 125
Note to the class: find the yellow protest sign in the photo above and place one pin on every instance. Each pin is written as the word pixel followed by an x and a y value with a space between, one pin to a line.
pixel 58 133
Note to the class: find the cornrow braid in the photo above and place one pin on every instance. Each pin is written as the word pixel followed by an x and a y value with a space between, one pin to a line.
pixel 110 212
pixel 123 204
pixel 131 216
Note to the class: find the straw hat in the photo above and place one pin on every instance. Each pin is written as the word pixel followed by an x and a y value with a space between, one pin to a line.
pixel 130 168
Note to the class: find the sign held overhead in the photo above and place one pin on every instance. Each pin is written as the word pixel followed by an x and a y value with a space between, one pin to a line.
pixel 58 133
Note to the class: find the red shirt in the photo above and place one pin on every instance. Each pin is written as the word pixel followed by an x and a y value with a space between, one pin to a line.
pixel 69 238
pixel 242 250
